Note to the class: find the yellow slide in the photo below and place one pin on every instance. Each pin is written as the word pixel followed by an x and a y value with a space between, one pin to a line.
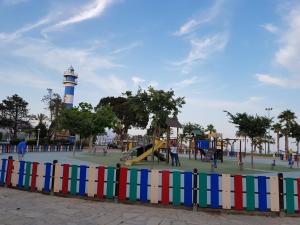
pixel 157 146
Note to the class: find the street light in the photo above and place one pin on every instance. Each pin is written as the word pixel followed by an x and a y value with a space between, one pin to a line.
pixel 269 109
pixel 38 138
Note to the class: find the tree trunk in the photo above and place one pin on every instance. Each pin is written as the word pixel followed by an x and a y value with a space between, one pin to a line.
pixel 278 137
pixel 245 147
pixel 286 139
pixel 252 164
pixel 297 153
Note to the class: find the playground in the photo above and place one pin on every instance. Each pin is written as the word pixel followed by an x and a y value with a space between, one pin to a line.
pixel 112 158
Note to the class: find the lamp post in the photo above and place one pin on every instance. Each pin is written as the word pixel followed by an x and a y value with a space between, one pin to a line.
pixel 269 109
pixel 38 138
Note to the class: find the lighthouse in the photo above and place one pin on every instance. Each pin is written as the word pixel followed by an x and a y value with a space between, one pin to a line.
pixel 69 83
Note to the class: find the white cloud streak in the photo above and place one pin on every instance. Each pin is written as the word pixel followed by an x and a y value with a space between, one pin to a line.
pixel 203 18
pixel 277 81
pixel 90 11
pixel 13 2
pixel 202 49
pixel 186 82
pixel 127 48
pixel 270 27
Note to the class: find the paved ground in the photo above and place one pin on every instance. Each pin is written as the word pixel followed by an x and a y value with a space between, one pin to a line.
pixel 25 208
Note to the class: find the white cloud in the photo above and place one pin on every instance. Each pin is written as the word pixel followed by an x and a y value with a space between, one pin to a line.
pixel 202 49
pixel 186 82
pixel 270 27
pixel 205 17
pixel 13 2
pixel 249 103
pixel 127 48
pixel 89 11
pixel 18 33
pixel 137 81
pixel 288 54
pixel 93 68
pixel 25 79
pixel 277 81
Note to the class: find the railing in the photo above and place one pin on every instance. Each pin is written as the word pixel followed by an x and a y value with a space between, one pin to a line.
pixel 189 189
pixel 7 148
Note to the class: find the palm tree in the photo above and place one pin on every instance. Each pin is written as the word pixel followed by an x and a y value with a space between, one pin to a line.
pixel 210 129
pixel 278 130
pixel 287 120
pixel 296 135
pixel 41 118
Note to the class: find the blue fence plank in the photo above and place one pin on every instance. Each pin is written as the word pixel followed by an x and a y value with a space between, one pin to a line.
pixel 214 190
pixel 21 174
pixel 3 171
pixel 82 180
pixel 144 185
pixel 188 190
pixel 47 177
pixel 262 193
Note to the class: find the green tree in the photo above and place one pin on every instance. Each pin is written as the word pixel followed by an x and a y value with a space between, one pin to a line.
pixel 296 135
pixel 287 119
pixel 43 131
pixel 41 118
pixel 254 126
pixel 14 115
pixel 130 110
pixel 278 130
pixel 54 105
pixel 210 129
pixel 161 105
pixel 86 121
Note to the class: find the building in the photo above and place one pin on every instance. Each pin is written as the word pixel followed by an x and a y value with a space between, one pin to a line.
pixel 69 82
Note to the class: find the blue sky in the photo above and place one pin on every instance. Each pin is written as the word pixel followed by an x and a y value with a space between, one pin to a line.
pixel 241 56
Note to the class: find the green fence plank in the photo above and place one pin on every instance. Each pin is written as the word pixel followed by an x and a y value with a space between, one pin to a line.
pixel 176 188
pixel 74 173
pixel 110 182
pixel 250 195
pixel 133 185
pixel 203 190
pixel 290 200
pixel 27 175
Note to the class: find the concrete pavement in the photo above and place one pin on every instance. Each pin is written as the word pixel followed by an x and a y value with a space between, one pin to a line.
pixel 26 208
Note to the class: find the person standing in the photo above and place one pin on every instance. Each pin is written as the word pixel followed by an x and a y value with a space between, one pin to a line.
pixel 174 151
pixel 21 150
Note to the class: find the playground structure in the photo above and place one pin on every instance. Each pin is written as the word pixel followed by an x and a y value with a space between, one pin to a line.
pixel 148 151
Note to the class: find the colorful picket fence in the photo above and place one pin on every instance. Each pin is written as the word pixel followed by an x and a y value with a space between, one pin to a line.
pixel 189 189
pixel 7 148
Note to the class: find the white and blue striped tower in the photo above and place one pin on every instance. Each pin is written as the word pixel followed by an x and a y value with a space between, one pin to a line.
pixel 69 83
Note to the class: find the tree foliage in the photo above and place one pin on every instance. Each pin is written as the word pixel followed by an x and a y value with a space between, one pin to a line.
pixel 14 114
pixel 287 119
pixel 130 110
pixel 86 121
pixel 161 105
pixel 255 127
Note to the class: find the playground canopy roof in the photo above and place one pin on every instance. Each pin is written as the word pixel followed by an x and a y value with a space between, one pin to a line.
pixel 173 122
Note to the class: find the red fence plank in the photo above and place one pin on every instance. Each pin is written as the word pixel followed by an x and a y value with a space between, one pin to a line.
pixel 33 176
pixel 65 179
pixel 9 172
pixel 165 199
pixel 123 184
pixel 100 188
pixel 238 192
